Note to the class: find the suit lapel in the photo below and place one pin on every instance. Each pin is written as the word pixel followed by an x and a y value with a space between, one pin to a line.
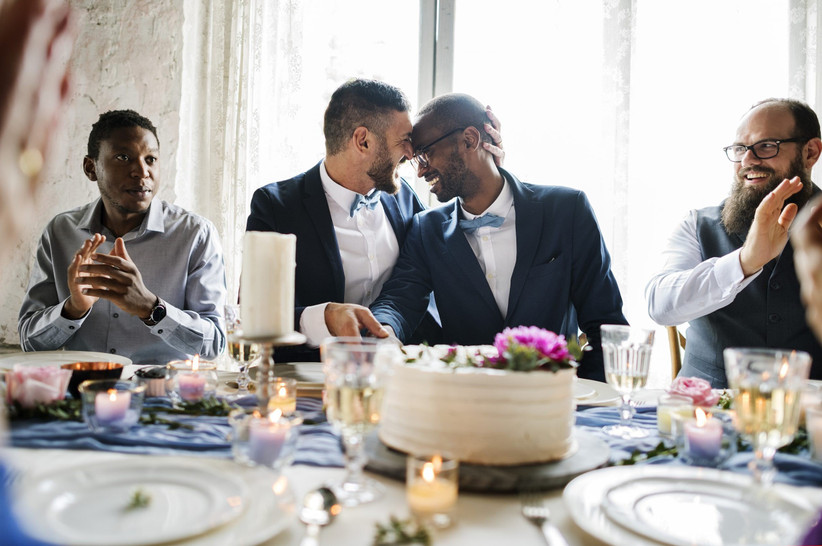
pixel 392 211
pixel 316 204
pixel 460 253
pixel 529 231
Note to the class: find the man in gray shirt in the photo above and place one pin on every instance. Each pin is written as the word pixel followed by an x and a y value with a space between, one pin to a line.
pixel 126 274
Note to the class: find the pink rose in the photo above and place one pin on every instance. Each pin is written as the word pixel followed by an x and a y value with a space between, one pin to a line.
pixel 695 388
pixel 31 386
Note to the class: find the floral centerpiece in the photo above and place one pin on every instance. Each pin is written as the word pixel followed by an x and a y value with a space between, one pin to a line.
pixel 32 386
pixel 524 348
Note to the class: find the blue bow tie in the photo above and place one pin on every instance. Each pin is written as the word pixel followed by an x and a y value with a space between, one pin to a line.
pixel 492 220
pixel 361 201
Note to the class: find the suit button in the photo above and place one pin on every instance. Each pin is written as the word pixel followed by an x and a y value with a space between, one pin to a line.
pixel 116 315
pixel 773 318
pixel 71 327
pixel 160 331
pixel 112 351
pixel 775 285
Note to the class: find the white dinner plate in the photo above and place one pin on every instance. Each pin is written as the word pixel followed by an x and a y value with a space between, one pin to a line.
pixel 57 358
pixel 89 504
pixel 648 505
pixel 583 390
pixel 604 394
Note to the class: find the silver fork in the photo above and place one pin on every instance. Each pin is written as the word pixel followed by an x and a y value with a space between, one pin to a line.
pixel 535 511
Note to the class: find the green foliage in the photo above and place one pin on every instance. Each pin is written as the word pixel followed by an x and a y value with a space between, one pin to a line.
pixel 401 532
pixel 139 499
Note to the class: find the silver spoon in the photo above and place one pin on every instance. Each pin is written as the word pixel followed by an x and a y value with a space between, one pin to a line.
pixel 319 508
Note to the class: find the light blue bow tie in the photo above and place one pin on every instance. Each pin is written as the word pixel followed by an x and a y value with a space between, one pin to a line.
pixel 361 201
pixel 492 220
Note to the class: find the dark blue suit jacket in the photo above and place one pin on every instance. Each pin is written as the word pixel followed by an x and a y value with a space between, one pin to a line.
pixel 561 281
pixel 299 206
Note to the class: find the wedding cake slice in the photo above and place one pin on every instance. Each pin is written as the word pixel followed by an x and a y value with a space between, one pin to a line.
pixel 509 404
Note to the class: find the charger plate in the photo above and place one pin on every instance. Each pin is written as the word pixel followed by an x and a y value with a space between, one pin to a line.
pixel 57 358
pixel 590 453
pixel 683 505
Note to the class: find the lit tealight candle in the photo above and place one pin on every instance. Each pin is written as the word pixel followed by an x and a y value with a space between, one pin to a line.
pixel 111 406
pixel 283 395
pixel 191 385
pixel 431 488
pixel 266 437
pixel 703 437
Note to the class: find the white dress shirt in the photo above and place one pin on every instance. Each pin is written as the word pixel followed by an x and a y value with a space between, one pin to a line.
pixel 368 249
pixel 496 247
pixel 688 287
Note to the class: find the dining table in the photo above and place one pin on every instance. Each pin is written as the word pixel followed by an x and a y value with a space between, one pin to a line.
pixel 44 456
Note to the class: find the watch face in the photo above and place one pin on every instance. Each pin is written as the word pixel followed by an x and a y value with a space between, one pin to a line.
pixel 158 313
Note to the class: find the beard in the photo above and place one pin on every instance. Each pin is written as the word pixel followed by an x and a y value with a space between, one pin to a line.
pixel 740 207
pixel 456 180
pixel 382 171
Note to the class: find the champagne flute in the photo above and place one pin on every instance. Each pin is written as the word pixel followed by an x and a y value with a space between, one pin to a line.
pixel 241 351
pixel 356 372
pixel 767 387
pixel 626 352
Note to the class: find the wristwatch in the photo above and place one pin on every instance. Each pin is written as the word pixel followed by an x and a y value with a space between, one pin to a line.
pixel 158 313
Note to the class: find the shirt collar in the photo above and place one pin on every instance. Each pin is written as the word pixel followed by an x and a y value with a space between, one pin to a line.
pixel 500 207
pixel 338 193
pixel 92 220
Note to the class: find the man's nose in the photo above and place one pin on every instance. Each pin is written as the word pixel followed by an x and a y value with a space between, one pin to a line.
pixel 750 159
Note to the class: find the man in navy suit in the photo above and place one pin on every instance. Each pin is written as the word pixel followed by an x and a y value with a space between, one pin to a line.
pixel 504 253
pixel 350 213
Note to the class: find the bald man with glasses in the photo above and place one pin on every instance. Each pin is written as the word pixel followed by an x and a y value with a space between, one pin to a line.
pixel 729 269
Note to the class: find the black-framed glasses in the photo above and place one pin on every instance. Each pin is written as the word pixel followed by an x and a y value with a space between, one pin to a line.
pixel 420 158
pixel 764 149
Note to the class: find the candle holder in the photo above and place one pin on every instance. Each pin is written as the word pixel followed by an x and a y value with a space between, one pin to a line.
pixel 431 488
pixel 668 405
pixel 266 366
pixel 708 443
pixel 282 395
pixel 813 423
pixel 191 380
pixel 111 405
pixel 264 440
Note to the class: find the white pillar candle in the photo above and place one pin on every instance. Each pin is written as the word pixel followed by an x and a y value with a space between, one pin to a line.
pixel 111 406
pixel 267 284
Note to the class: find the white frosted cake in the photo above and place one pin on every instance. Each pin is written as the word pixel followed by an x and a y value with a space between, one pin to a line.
pixel 479 415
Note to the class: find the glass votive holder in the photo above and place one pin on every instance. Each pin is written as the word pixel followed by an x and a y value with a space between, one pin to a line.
pixel 111 405
pixel 810 397
pixel 154 378
pixel 191 380
pixel 282 393
pixel 431 488
pixel 706 438
pixel 813 424
pixel 667 405
pixel 266 441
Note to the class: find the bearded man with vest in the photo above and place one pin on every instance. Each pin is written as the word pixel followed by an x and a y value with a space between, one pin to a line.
pixel 729 269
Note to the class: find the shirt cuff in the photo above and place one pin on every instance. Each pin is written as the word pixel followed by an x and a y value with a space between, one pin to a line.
pixel 70 326
pixel 312 324
pixel 729 276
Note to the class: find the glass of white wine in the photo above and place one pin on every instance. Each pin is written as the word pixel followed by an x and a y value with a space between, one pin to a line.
pixel 356 372
pixel 241 351
pixel 767 385
pixel 626 352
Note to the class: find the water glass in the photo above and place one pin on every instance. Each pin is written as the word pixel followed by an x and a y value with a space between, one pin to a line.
pixel 626 352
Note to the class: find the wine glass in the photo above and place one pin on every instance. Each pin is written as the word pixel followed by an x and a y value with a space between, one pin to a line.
pixel 626 352
pixel 356 372
pixel 241 351
pixel 767 387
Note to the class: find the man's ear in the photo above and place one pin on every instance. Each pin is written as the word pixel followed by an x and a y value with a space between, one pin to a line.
pixel 472 138
pixel 813 148
pixel 360 139
pixel 89 168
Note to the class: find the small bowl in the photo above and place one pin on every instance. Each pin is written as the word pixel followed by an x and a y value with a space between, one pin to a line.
pixel 81 371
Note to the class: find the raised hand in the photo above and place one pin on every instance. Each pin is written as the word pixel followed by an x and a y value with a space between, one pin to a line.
pixel 493 129
pixel 769 232
pixel 79 302
pixel 347 319
pixel 115 277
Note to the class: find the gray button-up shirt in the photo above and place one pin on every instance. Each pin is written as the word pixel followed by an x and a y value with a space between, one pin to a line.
pixel 180 259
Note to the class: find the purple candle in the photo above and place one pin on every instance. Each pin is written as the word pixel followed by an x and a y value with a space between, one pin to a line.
pixel 110 407
pixel 266 437
pixel 703 437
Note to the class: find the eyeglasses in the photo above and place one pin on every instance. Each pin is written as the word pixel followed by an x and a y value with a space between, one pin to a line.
pixel 420 159
pixel 764 149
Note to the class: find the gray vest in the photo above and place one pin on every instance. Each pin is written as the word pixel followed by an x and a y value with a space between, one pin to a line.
pixel 767 313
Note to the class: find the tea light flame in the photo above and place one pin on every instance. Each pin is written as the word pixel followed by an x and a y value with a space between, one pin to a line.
pixel 783 369
pixel 701 417
pixel 275 415
pixel 428 473
pixel 112 395
pixel 195 364
pixel 282 392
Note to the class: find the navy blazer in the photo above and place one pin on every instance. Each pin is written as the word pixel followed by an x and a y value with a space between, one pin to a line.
pixel 562 279
pixel 299 206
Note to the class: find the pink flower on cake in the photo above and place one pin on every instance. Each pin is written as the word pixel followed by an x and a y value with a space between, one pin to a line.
pixel 695 388
pixel 528 347
pixel 31 386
